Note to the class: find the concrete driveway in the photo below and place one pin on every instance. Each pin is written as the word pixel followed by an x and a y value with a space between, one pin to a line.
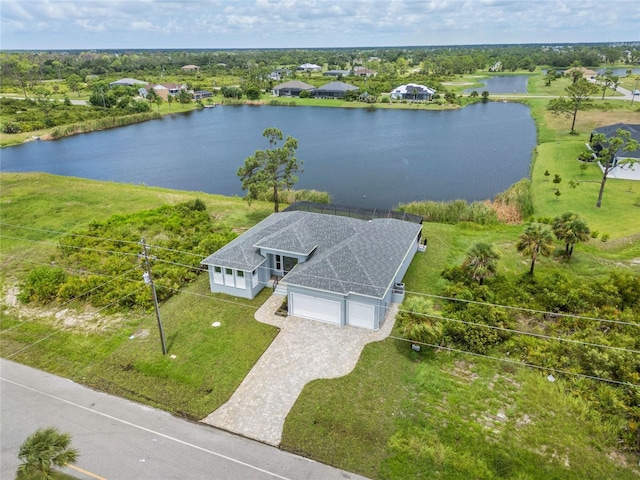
pixel 304 350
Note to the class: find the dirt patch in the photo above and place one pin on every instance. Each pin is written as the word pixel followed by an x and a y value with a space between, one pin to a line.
pixel 87 319
pixel 462 371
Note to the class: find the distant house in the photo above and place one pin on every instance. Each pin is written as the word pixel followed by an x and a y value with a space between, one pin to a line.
pixel 337 73
pixel 412 91
pixel 332 268
pixel 292 88
pixel 190 68
pixel 496 67
pixel 127 82
pixel 364 72
pixel 333 90
pixel 201 94
pixel 586 73
pixel 163 90
pixel 309 67
pixel 279 73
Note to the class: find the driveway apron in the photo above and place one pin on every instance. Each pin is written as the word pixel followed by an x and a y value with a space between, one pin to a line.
pixel 304 350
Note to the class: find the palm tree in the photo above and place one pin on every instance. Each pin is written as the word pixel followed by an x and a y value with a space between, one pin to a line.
pixel 534 241
pixel 481 262
pixel 571 230
pixel 44 449
pixel 416 323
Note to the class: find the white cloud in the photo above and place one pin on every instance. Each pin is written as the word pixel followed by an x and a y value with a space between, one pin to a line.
pixel 309 23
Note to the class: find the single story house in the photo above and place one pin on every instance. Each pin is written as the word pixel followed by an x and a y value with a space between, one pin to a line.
pixel 364 72
pixel 163 90
pixel 309 67
pixel 200 94
pixel 127 82
pixel 610 130
pixel 337 73
pixel 630 170
pixel 332 268
pixel 190 68
pixel 412 91
pixel 333 90
pixel 292 88
pixel 587 73
pixel 279 73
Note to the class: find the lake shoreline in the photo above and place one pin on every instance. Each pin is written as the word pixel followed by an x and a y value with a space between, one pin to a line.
pixel 371 158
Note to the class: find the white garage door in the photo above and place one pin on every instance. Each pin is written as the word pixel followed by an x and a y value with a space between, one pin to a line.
pixel 360 315
pixel 315 308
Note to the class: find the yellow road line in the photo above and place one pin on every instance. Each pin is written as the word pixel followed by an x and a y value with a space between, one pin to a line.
pixel 93 475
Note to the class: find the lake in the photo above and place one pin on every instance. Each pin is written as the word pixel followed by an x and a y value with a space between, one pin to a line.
pixel 368 158
pixel 502 84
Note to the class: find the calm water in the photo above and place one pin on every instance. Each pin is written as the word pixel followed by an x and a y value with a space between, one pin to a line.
pixel 619 72
pixel 503 84
pixel 366 158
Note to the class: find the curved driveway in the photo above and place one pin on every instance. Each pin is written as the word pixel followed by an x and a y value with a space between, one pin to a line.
pixel 304 350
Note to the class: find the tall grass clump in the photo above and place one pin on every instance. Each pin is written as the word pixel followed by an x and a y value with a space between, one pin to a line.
pixel 232 101
pixel 282 103
pixel 102 124
pixel 452 212
pixel 517 196
pixel 292 196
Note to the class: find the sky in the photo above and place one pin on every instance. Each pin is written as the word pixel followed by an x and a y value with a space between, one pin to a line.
pixel 228 24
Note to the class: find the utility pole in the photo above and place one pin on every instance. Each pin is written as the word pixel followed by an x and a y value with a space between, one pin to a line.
pixel 148 279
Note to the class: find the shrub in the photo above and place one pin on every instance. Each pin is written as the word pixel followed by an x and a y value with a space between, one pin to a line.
pixel 42 284
pixel 11 127
pixel 471 328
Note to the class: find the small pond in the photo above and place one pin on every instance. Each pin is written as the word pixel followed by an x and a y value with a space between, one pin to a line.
pixel 502 84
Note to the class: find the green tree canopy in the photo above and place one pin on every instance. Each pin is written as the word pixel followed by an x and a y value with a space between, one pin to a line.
pixel 481 262
pixel 570 229
pixel 44 449
pixel 608 150
pixel 272 169
pixel 578 93
pixel 533 242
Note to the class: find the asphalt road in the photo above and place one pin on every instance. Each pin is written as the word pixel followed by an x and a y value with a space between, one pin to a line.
pixel 119 439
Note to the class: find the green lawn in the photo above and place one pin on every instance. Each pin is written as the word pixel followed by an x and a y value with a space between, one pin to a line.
pixel 96 350
pixel 403 414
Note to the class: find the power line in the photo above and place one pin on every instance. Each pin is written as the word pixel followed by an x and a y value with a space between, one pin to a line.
pixel 523 309
pixel 511 330
pixel 70 246
pixel 79 296
pixel 62 328
pixel 522 364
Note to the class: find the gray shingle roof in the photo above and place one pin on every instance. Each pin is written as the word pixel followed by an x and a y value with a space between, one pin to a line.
pixel 633 129
pixel 294 84
pixel 336 87
pixel 347 254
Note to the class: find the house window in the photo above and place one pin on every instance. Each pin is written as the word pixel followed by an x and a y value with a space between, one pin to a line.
pixel 217 276
pixel 278 265
pixel 229 280
pixel 240 280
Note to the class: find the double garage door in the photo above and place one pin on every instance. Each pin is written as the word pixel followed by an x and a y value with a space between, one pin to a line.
pixel 315 308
